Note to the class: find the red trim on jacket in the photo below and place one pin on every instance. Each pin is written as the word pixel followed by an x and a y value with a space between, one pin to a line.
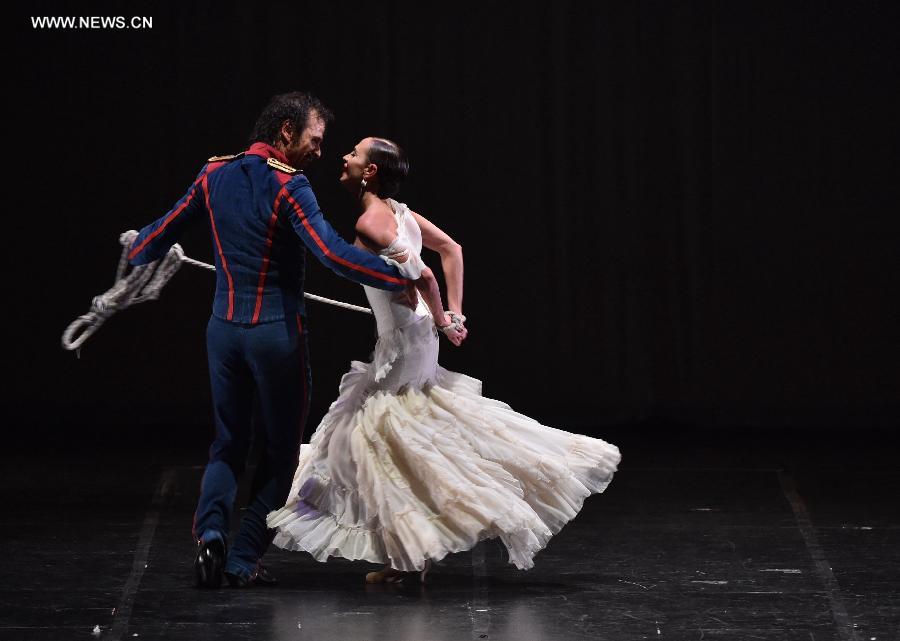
pixel 156 232
pixel 212 222
pixel 270 236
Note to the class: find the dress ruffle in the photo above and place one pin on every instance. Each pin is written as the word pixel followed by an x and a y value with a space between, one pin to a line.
pixel 412 463
pixel 402 476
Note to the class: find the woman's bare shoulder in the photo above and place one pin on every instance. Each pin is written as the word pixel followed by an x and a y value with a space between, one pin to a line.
pixel 378 212
pixel 377 224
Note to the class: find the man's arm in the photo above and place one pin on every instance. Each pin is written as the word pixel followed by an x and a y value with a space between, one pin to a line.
pixel 298 202
pixel 155 239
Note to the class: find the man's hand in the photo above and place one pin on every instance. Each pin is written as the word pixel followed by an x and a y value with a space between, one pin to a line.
pixel 401 255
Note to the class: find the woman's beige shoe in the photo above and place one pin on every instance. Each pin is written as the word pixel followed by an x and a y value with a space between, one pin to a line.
pixel 386 575
pixel 390 575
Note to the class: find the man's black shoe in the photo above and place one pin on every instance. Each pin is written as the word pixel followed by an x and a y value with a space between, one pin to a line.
pixel 261 577
pixel 238 581
pixel 264 577
pixel 209 562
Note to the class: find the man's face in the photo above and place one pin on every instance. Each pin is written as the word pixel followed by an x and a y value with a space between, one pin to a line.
pixel 307 147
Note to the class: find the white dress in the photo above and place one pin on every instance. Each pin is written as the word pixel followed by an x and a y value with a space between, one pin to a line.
pixel 411 462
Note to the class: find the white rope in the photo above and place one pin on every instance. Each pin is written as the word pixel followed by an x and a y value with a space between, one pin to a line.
pixel 319 299
pixel 143 283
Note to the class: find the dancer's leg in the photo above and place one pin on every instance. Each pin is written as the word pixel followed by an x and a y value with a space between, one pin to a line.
pixel 279 358
pixel 232 397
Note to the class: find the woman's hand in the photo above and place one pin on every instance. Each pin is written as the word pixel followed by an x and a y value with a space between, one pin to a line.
pixel 453 328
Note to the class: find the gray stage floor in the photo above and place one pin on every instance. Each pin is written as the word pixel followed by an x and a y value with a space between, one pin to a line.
pixel 692 541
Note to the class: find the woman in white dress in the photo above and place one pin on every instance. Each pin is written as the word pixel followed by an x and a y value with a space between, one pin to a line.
pixel 411 462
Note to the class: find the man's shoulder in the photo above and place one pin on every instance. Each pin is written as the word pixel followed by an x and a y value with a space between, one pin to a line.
pixel 295 182
pixel 227 158
pixel 281 167
pixel 214 163
pixel 285 175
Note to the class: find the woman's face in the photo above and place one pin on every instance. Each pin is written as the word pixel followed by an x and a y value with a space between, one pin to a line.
pixel 355 164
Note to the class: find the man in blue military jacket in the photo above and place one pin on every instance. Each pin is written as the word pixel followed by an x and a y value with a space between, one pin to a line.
pixel 264 217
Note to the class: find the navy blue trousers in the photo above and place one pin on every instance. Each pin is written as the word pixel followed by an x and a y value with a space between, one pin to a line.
pixel 263 367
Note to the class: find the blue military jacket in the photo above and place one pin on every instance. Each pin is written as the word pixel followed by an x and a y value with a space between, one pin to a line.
pixel 263 216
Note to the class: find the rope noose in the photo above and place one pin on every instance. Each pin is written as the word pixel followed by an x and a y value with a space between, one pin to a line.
pixel 143 283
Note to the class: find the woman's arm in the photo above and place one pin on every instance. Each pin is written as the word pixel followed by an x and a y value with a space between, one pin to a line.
pixel 451 260
pixel 431 293
pixel 377 229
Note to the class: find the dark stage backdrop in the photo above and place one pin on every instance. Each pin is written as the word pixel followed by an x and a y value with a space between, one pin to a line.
pixel 675 212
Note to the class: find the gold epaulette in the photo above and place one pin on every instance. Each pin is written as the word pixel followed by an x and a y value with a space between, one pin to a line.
pixel 225 158
pixel 280 166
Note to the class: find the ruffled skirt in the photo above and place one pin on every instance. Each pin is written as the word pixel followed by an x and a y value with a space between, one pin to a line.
pixel 403 476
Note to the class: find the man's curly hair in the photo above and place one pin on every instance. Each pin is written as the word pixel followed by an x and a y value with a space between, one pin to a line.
pixel 296 107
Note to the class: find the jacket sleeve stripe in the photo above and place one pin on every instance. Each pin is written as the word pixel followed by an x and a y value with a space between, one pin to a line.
pixel 273 220
pixel 156 232
pixel 212 222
